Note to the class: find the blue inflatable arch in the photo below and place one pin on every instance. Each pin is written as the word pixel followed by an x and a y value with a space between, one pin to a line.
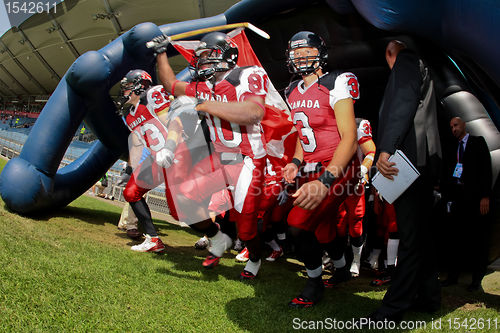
pixel 356 32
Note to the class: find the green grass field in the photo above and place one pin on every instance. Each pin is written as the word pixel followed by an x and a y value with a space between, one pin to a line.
pixel 73 270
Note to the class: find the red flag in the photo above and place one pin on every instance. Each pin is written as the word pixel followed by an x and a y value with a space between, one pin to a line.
pixel 279 132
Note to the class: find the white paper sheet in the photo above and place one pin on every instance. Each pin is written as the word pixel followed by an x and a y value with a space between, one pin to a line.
pixel 392 189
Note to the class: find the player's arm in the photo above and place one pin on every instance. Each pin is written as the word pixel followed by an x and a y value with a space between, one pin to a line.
pixel 344 113
pixel 174 127
pixel 135 149
pixel 167 76
pixel 291 169
pixel 310 195
pixel 368 149
pixel 248 112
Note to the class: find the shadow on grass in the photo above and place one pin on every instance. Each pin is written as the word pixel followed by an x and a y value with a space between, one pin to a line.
pixel 457 296
pixel 88 215
pixel 264 312
pixel 279 282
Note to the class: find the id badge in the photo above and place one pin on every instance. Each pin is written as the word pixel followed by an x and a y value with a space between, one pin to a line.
pixel 458 170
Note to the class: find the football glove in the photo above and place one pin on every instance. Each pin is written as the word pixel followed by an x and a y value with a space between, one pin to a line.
pixel 165 158
pixel 159 44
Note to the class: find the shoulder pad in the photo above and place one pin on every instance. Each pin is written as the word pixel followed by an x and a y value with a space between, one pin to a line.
pixel 234 76
pixel 291 86
pixel 329 79
pixel 144 97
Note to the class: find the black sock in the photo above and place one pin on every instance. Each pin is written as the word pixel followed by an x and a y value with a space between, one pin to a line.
pixel 143 214
pixel 314 289
pixel 308 246
pixel 336 248
pixel 357 241
pixel 206 227
pixel 254 248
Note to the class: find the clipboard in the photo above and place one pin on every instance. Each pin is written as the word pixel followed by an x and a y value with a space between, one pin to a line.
pixel 390 190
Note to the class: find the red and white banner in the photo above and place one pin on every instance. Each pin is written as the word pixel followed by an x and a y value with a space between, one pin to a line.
pixel 279 132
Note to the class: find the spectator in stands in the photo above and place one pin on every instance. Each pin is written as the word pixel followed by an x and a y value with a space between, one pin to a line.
pixel 99 187
pixel 467 189
pixel 82 133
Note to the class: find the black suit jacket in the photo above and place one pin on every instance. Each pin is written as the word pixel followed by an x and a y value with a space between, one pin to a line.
pixel 477 173
pixel 407 117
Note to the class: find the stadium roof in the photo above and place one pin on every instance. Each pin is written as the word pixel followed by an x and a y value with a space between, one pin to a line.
pixel 35 55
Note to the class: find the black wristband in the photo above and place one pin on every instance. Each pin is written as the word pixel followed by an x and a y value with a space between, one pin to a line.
pixel 296 161
pixel 327 178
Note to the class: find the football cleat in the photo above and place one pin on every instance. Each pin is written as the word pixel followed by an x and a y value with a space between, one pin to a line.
pixel 380 281
pixel 211 261
pixel 246 276
pixel 202 243
pixel 243 256
pixel 301 302
pixel 312 294
pixel 275 255
pixel 339 276
pixel 150 244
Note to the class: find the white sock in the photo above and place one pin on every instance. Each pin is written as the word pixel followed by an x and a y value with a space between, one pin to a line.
pixel 252 267
pixel 392 251
pixel 314 273
pixel 281 236
pixel 356 259
pixel 274 245
pixel 356 251
pixel 373 259
pixel 218 244
pixel 339 263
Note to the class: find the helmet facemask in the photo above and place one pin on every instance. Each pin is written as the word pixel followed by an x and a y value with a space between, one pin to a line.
pixel 216 53
pixel 300 58
pixel 303 65
pixel 135 82
pixel 122 103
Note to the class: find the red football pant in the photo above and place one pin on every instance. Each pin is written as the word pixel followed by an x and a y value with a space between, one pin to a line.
pixel 210 176
pixel 323 219
pixel 351 213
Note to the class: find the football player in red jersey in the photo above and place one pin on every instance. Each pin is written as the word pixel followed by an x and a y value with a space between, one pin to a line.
pixel 144 109
pixel 233 100
pixel 353 209
pixel 322 106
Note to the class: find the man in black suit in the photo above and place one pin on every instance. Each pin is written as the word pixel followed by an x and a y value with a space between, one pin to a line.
pixel 467 189
pixel 408 121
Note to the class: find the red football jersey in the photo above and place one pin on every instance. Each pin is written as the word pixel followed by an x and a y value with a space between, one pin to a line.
pixel 143 120
pixel 239 84
pixel 313 112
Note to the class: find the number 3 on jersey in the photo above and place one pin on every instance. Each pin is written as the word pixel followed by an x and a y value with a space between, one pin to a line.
pixel 307 139
pixel 353 87
pixel 154 137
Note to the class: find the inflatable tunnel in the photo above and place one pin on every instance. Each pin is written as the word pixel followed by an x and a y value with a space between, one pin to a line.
pixel 464 61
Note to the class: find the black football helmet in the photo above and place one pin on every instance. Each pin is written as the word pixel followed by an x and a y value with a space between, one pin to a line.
pixel 216 53
pixel 136 81
pixel 306 65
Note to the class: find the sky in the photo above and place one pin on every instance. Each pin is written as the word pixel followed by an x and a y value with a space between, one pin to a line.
pixel 4 20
